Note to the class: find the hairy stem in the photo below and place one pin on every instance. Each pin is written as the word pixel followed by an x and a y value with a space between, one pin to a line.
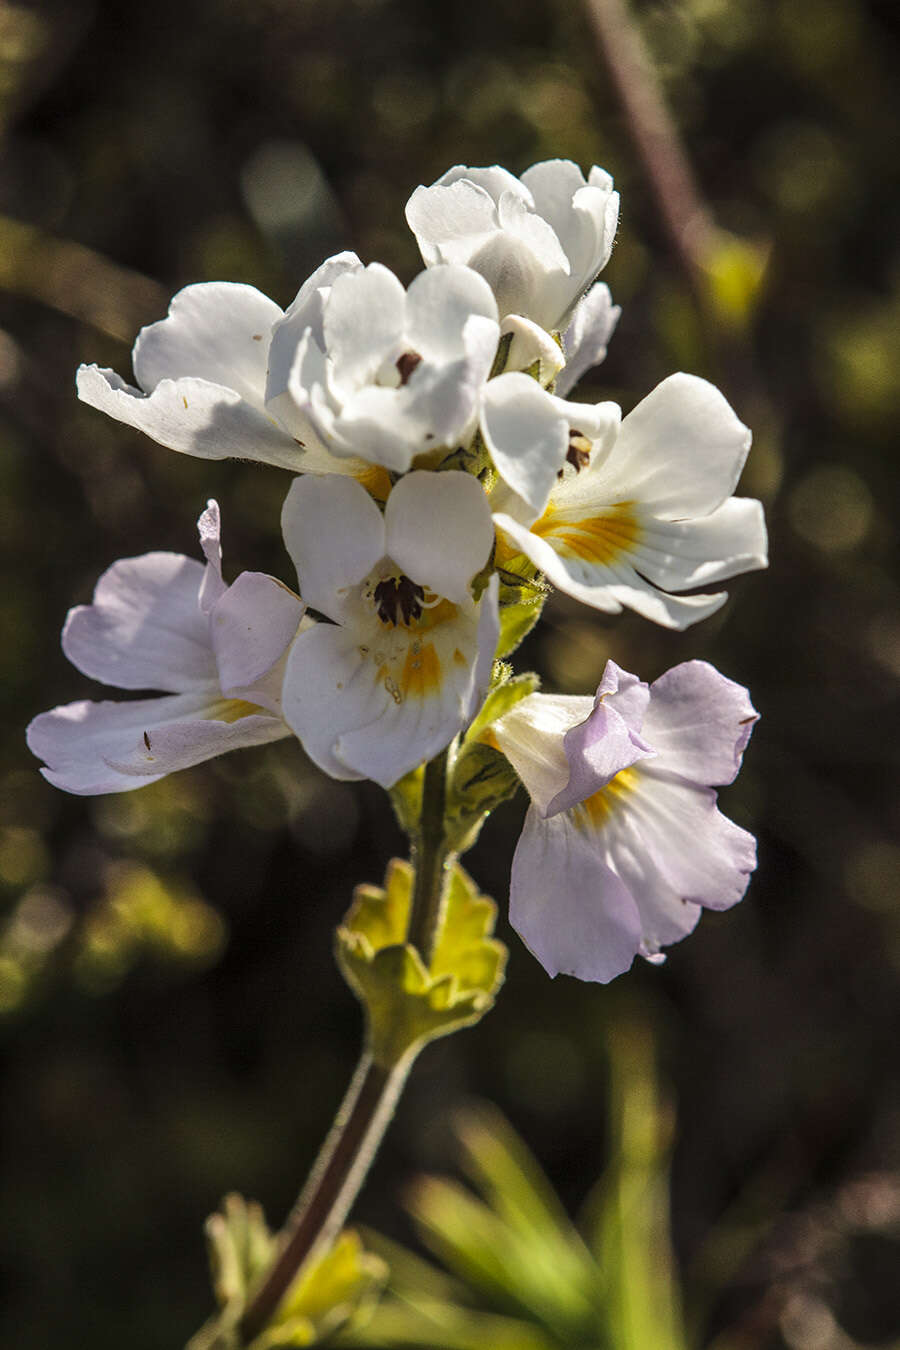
pixel 429 858
pixel 333 1184
pixel 367 1109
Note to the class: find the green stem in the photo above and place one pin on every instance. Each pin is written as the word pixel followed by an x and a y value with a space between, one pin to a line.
pixel 333 1184
pixel 429 859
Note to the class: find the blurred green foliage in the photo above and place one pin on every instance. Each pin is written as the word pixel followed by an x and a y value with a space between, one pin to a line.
pixel 172 1023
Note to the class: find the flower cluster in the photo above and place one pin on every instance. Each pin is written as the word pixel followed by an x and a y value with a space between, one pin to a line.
pixel 443 478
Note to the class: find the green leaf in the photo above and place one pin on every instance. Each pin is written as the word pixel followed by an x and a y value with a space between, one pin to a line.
pixel 408 1004
pixel 336 1288
pixel 482 777
pixel 522 596
pixel 406 799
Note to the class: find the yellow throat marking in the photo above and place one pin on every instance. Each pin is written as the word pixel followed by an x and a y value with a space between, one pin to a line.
pixel 599 539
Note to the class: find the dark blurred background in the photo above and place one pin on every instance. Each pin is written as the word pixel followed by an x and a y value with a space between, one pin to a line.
pixel 171 1020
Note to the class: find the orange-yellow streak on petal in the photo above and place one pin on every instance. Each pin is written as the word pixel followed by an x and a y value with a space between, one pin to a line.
pixel 505 551
pixel 597 539
pixel 421 674
pixel 595 811
pixel 232 710
pixel 376 480
pixel 434 615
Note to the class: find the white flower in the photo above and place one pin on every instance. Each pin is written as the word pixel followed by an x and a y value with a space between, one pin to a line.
pixel 406 661
pixel 382 373
pixel 587 337
pixel 622 515
pixel 205 386
pixel 623 843
pixel 165 621
pixel 540 240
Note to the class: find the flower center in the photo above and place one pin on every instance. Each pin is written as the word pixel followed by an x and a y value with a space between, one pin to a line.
pixel 406 364
pixel 578 453
pixel 397 599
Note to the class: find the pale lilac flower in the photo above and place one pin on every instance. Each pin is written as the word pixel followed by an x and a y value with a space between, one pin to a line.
pixel 168 622
pixel 624 513
pixel 623 843
pixel 406 661
pixel 539 241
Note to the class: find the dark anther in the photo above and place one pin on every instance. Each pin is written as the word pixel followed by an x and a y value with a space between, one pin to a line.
pixel 406 364
pixel 578 453
pixel 398 595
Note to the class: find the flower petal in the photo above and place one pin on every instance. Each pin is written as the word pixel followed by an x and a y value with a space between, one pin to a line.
pixel 680 451
pixel 452 216
pixel 363 325
pixel 191 416
pixel 438 303
pixel 701 854
pixel 305 312
pixel 531 736
pixel 92 748
pixel 251 627
pixel 209 527
pixel 438 530
pixel 679 554
pixel 587 337
pixel 328 685
pixel 527 434
pixel 217 331
pixel 335 535
pixel 699 722
pixel 571 910
pixel 144 628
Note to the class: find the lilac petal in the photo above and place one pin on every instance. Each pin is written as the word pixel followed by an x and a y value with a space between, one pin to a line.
pixel 704 856
pixel 144 629
pixel 93 748
pixel 597 749
pixel 251 627
pixel 700 723
pixel 209 527
pixel 571 910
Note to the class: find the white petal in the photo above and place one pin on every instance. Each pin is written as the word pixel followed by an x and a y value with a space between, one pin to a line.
pixel 251 627
pixel 552 184
pixel 681 451
pixel 451 219
pixel 570 909
pixel 217 331
pixel 363 325
pixel 438 530
pixel 305 312
pixel 611 586
pixel 383 426
pixel 532 231
pixel 144 629
pixel 328 685
pixel 209 527
pixel 527 435
pixel 680 554
pixel 531 737
pixel 191 416
pixel 438 303
pixel 699 722
pixel 103 747
pixel 334 533
pixel 586 339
